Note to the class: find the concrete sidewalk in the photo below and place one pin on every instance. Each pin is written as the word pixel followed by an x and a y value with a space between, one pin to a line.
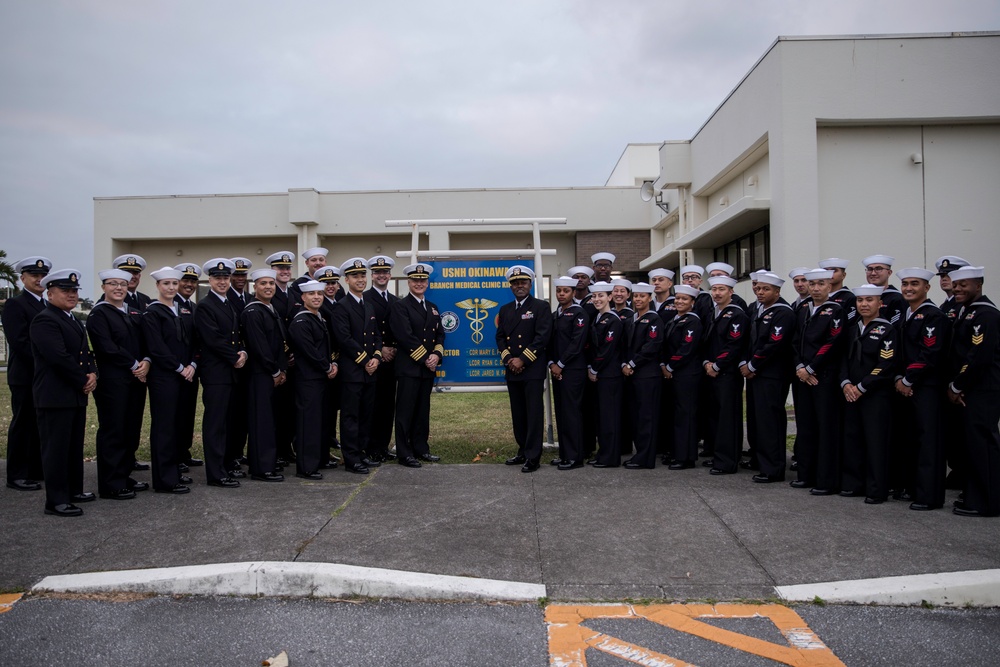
pixel 584 534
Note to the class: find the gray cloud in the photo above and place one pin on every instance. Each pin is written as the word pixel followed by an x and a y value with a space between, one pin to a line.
pixel 114 97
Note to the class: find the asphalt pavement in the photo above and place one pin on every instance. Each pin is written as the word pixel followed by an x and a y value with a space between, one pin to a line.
pixel 584 534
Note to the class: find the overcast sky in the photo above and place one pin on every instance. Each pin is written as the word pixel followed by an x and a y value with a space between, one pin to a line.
pixel 118 97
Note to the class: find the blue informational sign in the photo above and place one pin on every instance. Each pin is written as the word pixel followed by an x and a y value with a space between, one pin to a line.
pixel 468 295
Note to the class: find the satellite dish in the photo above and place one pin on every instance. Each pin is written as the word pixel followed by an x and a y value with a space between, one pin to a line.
pixel 646 192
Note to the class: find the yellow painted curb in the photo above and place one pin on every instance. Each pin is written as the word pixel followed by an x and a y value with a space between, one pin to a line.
pixel 7 601
pixel 569 638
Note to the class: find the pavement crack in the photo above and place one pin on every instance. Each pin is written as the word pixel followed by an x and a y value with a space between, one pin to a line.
pixel 736 537
pixel 343 506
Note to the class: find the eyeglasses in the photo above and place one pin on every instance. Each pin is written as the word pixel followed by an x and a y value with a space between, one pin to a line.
pixel 116 284
pixel 690 277
pixel 875 269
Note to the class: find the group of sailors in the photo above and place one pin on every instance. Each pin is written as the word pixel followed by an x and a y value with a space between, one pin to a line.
pixel 889 389
pixel 274 367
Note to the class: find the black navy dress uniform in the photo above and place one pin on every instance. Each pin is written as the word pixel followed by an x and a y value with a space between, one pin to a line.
pixel 725 346
pixel 385 384
pixel 238 420
pixel 24 454
pixel 644 387
pixel 170 342
pixel 893 306
pixel 331 396
pixel 566 349
pixel 523 332
pixel 848 302
pixel 219 346
pixel 309 340
pixel 923 339
pixel 817 348
pixel 975 374
pixel 117 341
pixel 666 311
pixel 284 396
pixel 416 327
pixel 869 364
pixel 606 363
pixel 265 339
pixel 681 354
pixel 356 332
pixel 188 407
pixel 62 362
pixel 769 358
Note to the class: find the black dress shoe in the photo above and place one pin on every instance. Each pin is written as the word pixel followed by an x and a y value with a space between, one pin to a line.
pixel 183 468
pixel 680 465
pixel 821 492
pixel 85 497
pixel 719 471
pixel 515 460
pixel 851 494
pixel 195 463
pixel 237 474
pixel 309 475
pixel 140 466
pixel 708 464
pixel 430 458
pixel 921 507
pixel 595 464
pixel 965 511
pixel 632 465
pixel 749 465
pixel 874 501
pixel 377 457
pixel 556 461
pixel 793 466
pixel 137 486
pixel 268 477
pixel 280 462
pixel 24 485
pixel 184 479
pixel 591 462
pixel 530 466
pixel 409 462
pixel 761 478
pixel 63 510
pixel 120 494
pixel 176 489
pixel 570 465
pixel 357 468
pixel 369 463
pixel 901 495
pixel 329 465
pixel 799 484
pixel 225 483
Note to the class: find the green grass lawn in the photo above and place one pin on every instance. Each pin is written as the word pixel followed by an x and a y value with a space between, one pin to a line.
pixel 465 428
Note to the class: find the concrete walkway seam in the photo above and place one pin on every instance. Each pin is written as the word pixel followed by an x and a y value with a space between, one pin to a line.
pixel 280 578
pixel 979 588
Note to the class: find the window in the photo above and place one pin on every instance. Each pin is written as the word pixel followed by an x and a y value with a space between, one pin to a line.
pixel 747 253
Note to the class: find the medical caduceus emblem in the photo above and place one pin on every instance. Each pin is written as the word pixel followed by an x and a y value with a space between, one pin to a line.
pixel 476 312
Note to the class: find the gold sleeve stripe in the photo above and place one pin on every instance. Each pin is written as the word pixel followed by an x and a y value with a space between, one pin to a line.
pixel 419 352
pixel 360 357
pixel 439 348
pixel 876 371
pixel 963 369
pixel 531 355
pixel 504 353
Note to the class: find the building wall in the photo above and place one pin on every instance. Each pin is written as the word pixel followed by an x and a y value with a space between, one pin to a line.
pixel 353 223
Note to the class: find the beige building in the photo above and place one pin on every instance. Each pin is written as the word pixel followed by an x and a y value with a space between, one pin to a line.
pixel 829 146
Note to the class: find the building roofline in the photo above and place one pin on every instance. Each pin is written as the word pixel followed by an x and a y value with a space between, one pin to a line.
pixel 833 38
pixel 369 192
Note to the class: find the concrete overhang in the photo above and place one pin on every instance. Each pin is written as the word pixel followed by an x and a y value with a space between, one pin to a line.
pixel 742 217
